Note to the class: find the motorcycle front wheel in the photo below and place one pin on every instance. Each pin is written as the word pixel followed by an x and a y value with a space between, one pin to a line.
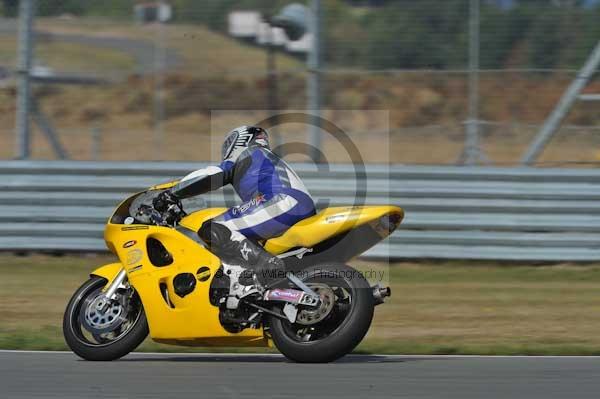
pixel 337 326
pixel 108 332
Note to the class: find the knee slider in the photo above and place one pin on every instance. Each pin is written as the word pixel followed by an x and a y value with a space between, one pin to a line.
pixel 214 234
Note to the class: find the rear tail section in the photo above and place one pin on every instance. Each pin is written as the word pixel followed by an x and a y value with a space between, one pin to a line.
pixel 339 234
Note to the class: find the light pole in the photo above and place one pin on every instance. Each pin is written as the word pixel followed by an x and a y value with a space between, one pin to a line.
pixel 314 80
pixel 160 48
pixel 272 90
pixel 296 19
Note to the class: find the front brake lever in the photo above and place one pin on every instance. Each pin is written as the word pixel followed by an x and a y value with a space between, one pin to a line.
pixel 181 212
pixel 174 214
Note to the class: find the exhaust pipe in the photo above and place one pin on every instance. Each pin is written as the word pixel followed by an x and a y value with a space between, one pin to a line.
pixel 380 293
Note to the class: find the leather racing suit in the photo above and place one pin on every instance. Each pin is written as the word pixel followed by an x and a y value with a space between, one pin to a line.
pixel 274 198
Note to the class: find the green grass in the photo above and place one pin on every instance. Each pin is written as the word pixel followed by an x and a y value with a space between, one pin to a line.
pixel 69 57
pixel 436 308
pixel 203 52
pixel 75 57
pixel 8 50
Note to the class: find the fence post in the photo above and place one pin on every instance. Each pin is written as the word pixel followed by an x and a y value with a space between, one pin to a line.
pixel 96 142
pixel 563 107
pixel 314 81
pixel 472 153
pixel 26 12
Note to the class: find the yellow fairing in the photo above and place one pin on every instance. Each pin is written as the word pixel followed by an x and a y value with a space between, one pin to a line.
pixel 326 224
pixel 195 220
pixel 311 231
pixel 192 320
pixel 109 272
pixel 164 186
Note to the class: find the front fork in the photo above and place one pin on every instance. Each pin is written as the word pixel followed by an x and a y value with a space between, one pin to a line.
pixel 110 291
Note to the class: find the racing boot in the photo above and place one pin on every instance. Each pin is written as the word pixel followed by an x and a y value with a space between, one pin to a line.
pixel 257 261
pixel 232 247
pixel 266 267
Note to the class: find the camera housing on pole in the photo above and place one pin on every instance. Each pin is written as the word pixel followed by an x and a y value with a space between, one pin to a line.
pixel 293 19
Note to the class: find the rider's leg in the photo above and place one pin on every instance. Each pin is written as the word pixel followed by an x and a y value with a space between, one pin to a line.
pixel 233 247
pixel 233 235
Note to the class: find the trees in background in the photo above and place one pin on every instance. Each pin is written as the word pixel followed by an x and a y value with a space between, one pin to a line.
pixel 9 7
pixel 405 33
pixel 434 34
pixel 111 8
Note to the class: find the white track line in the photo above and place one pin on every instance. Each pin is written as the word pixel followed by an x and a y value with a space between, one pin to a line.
pixel 276 355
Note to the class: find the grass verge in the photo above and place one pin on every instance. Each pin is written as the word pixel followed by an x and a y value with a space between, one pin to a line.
pixel 70 57
pixel 436 308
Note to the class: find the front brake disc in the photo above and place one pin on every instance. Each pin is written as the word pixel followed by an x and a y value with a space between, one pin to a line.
pixel 97 320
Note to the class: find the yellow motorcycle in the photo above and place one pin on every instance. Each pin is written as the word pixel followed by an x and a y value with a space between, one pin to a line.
pixel 167 284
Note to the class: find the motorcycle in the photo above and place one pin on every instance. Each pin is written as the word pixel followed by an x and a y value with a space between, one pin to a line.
pixel 169 285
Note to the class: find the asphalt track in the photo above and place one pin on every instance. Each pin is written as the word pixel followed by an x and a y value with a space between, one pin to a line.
pixel 63 375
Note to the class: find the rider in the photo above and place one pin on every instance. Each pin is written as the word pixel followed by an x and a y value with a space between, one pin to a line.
pixel 274 199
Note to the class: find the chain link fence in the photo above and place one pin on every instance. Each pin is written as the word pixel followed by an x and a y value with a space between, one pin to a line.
pixel 156 84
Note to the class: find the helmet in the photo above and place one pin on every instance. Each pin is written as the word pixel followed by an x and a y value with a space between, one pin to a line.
pixel 241 138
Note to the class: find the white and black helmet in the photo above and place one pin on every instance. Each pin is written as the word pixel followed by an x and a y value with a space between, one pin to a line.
pixel 241 138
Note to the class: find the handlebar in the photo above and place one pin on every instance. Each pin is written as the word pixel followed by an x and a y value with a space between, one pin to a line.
pixel 170 217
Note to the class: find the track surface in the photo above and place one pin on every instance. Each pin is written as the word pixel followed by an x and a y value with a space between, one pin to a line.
pixel 62 375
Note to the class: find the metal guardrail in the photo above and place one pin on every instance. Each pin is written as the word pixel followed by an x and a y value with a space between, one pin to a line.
pixel 451 212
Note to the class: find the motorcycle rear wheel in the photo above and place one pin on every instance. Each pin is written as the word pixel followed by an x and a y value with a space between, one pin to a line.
pixel 103 344
pixel 341 331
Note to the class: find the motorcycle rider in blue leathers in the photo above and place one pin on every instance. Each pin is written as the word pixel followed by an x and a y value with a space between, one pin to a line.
pixel 274 198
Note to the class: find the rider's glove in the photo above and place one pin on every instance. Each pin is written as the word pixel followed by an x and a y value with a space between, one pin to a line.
pixel 164 200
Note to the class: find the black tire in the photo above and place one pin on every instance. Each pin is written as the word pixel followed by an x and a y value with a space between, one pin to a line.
pixel 346 335
pixel 112 350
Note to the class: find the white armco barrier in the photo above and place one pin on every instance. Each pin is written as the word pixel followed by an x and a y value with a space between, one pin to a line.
pixel 451 212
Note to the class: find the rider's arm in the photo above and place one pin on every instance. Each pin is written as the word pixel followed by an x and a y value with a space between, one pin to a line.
pixel 204 180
